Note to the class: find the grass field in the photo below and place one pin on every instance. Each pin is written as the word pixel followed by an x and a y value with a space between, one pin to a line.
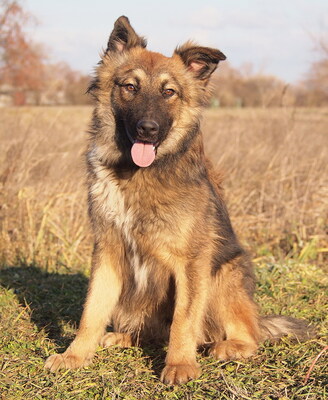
pixel 275 164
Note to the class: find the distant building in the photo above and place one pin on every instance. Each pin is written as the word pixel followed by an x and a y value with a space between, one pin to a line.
pixel 6 95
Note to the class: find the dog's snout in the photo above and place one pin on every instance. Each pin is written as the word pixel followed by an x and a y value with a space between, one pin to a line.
pixel 147 129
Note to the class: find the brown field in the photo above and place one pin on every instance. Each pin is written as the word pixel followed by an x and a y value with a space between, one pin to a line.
pixel 275 167
pixel 274 162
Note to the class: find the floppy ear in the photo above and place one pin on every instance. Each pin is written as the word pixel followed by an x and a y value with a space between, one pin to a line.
pixel 124 37
pixel 202 61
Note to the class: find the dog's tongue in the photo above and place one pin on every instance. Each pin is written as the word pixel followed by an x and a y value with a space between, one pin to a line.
pixel 143 154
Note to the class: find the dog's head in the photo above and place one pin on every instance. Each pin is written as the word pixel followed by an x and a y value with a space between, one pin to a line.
pixel 154 100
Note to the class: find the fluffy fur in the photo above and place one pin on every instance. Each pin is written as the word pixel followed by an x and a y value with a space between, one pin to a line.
pixel 167 265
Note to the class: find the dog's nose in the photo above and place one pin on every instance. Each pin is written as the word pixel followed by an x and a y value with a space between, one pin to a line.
pixel 147 130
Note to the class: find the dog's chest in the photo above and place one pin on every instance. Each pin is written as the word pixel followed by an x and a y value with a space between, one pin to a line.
pixel 131 214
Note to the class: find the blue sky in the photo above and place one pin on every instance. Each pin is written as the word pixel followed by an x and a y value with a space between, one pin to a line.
pixel 276 37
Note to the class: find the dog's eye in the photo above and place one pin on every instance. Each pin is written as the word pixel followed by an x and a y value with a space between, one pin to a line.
pixel 168 93
pixel 130 88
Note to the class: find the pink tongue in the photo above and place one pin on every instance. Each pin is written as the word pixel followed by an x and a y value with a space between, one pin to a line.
pixel 143 154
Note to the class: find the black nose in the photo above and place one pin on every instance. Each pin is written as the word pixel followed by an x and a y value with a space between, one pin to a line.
pixel 147 130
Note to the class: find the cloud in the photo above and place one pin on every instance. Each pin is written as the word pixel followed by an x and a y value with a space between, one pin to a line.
pixel 210 17
pixel 206 17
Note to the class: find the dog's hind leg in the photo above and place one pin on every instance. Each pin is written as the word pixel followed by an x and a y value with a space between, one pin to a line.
pixel 236 312
pixel 116 339
pixel 103 293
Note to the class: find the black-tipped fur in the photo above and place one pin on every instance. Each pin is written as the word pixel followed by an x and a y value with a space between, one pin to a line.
pixel 124 36
pixel 274 327
pixel 202 60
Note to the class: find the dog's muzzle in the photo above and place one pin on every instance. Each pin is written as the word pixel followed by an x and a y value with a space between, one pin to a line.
pixel 143 151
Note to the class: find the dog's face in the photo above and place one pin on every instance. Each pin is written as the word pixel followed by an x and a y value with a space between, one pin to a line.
pixel 146 98
pixel 154 100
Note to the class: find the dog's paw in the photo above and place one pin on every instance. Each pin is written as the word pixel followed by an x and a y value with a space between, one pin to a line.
pixel 176 374
pixel 66 360
pixel 116 339
pixel 233 350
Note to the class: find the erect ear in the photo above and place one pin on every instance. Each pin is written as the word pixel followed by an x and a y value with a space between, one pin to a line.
pixel 202 61
pixel 124 37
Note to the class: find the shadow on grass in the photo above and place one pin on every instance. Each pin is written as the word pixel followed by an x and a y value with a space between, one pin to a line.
pixel 156 354
pixel 53 298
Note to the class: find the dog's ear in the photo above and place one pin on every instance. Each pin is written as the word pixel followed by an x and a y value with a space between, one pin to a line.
pixel 202 61
pixel 124 36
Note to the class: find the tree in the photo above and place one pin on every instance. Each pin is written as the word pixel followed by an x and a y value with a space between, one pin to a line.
pixel 245 88
pixel 21 60
pixel 315 83
pixel 64 85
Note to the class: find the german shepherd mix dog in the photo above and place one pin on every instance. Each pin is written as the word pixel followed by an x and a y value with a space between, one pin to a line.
pixel 166 261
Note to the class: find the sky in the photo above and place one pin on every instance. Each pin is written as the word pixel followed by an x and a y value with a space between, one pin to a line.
pixel 276 37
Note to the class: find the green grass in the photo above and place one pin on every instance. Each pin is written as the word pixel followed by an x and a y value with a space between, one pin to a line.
pixel 39 312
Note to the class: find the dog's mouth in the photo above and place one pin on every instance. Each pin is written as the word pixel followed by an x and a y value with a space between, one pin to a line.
pixel 143 153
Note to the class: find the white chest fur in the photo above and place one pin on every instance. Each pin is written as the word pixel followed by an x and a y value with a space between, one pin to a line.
pixel 112 205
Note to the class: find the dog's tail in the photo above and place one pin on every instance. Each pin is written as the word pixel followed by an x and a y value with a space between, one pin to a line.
pixel 274 327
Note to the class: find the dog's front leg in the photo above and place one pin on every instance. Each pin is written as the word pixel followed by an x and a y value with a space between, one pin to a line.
pixel 103 293
pixel 186 329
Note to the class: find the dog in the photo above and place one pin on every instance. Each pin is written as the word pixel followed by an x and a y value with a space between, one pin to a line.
pixel 166 264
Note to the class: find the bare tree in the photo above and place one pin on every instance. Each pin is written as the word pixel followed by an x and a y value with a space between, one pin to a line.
pixel 316 80
pixel 21 60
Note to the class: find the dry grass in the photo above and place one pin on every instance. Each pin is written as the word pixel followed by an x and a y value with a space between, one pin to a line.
pixel 274 162
pixel 275 167
pixel 276 170
pixel 43 194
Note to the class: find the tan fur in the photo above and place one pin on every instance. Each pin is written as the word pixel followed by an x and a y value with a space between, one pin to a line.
pixel 166 264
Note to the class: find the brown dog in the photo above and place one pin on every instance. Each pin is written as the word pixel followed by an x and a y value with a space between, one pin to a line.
pixel 166 261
